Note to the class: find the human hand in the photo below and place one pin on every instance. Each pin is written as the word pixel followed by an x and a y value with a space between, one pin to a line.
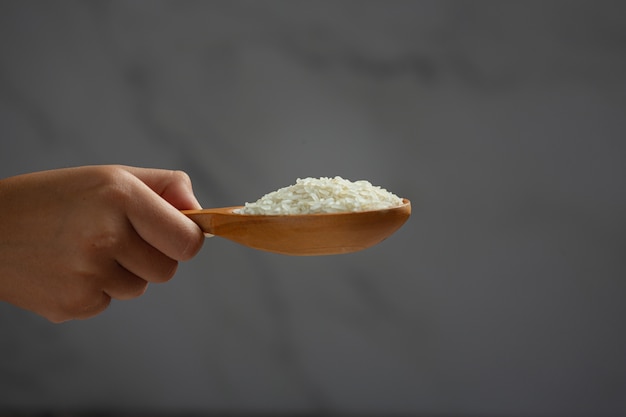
pixel 72 239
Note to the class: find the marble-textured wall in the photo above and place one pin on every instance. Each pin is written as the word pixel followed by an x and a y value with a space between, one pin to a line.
pixel 503 122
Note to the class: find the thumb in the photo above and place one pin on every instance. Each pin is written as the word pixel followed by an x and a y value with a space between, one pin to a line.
pixel 173 186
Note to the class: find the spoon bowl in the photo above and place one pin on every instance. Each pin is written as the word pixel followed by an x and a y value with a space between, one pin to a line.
pixel 303 234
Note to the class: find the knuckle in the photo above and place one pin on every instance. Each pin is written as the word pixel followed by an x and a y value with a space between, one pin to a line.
pixel 115 192
pixel 181 176
pixel 165 272
pixel 193 246
pixel 81 304
pixel 57 317
pixel 169 271
pixel 137 289
pixel 104 241
pixel 112 183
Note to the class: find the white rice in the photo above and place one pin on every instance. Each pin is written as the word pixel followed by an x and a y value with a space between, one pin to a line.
pixel 323 195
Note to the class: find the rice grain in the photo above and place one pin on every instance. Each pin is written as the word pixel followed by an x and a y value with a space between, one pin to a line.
pixel 323 195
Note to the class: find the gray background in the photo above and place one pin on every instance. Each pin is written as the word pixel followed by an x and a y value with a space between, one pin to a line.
pixel 503 122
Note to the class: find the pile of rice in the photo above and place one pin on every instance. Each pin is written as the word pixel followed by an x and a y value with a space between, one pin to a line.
pixel 323 195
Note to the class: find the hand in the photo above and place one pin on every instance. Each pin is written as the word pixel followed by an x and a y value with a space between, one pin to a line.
pixel 72 239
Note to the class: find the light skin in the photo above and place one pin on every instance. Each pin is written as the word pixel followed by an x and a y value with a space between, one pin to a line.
pixel 73 239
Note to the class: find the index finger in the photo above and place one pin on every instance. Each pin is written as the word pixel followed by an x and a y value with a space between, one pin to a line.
pixel 157 220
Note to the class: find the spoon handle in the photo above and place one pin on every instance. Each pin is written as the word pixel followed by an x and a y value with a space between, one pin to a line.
pixel 210 219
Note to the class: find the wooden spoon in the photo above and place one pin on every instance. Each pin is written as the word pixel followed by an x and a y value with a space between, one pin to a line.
pixel 303 234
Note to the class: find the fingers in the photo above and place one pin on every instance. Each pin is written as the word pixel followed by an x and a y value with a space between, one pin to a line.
pixel 73 238
pixel 74 302
pixel 94 298
pixel 144 260
pixel 145 241
pixel 154 212
pixel 109 280
pixel 124 285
